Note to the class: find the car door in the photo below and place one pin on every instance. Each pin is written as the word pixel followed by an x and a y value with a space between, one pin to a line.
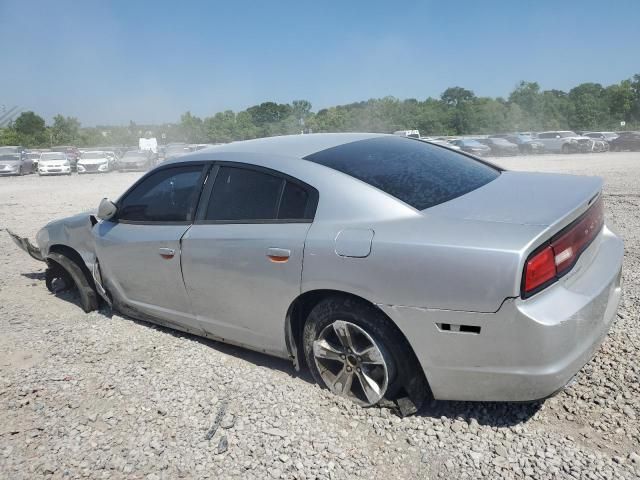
pixel 139 249
pixel 242 259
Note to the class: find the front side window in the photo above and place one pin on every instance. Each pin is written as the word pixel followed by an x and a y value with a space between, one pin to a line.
pixel 247 195
pixel 418 173
pixel 168 195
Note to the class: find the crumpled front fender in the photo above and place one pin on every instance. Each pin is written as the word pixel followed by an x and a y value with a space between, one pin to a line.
pixel 26 245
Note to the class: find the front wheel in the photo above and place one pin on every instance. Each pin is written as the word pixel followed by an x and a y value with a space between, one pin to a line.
pixel 354 350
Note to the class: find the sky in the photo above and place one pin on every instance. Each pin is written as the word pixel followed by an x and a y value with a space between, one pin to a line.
pixel 109 62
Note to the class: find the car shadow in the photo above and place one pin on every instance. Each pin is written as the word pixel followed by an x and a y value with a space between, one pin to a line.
pixel 34 275
pixel 494 414
pixel 256 358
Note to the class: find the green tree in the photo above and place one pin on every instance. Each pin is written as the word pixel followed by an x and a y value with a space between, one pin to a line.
pixel 28 123
pixel 588 106
pixel 65 130
pixel 31 129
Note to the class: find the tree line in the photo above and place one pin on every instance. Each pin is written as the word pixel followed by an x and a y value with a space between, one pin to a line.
pixel 458 111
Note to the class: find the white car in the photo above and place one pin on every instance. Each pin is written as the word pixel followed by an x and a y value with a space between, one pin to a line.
pixel 564 141
pixel 94 162
pixel 54 163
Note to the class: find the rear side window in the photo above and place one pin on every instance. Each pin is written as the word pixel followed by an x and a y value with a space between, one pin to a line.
pixel 241 194
pixel 165 196
pixel 294 202
pixel 418 173
pixel 248 195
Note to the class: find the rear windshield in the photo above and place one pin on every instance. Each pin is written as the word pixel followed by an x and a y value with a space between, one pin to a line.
pixel 418 173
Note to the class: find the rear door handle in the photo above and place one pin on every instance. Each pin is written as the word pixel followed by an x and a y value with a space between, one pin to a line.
pixel 278 255
pixel 166 253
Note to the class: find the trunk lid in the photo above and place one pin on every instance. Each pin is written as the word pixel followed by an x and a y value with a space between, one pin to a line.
pixel 525 198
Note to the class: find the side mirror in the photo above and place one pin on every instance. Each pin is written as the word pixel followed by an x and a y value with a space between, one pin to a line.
pixel 107 209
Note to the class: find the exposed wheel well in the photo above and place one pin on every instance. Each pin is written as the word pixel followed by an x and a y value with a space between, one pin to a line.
pixel 299 311
pixel 72 254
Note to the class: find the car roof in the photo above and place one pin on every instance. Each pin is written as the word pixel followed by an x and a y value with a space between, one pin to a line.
pixel 297 146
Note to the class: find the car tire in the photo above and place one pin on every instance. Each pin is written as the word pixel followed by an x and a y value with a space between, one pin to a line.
pixel 70 275
pixel 378 363
pixel 566 149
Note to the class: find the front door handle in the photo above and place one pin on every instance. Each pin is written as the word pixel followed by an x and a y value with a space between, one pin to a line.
pixel 278 255
pixel 166 253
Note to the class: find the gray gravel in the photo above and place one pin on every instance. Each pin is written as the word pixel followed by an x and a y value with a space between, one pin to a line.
pixel 102 396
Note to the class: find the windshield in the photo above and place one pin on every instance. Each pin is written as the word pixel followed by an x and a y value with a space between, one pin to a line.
pixel 52 156
pixel 9 156
pixel 93 155
pixel 567 134
pixel 472 143
pixel 419 174
pixel 33 156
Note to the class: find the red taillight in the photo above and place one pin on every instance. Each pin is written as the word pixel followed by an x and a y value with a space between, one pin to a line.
pixel 562 252
pixel 540 269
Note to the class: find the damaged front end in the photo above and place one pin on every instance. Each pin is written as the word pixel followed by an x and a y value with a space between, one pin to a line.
pixel 27 246
pixel 66 246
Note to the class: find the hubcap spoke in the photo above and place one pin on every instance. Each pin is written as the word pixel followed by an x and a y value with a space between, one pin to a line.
pixel 322 349
pixel 344 335
pixel 370 387
pixel 342 384
pixel 371 355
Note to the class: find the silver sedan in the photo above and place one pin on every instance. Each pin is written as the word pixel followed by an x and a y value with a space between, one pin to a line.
pixel 394 269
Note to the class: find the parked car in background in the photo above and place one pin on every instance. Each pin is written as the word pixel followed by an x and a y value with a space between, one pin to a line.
pixel 94 162
pixel 14 161
pixel 135 160
pixel 73 154
pixel 472 146
pixel 426 272
pixel 500 147
pixel 441 141
pixel 626 141
pixel 54 163
pixel 525 142
pixel 606 136
pixel 564 141
pixel 176 150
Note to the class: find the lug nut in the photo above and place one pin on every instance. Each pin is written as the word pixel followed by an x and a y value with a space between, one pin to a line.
pixel 342 357
pixel 348 369
pixel 358 370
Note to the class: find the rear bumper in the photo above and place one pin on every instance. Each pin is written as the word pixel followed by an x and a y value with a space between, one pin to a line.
pixel 528 349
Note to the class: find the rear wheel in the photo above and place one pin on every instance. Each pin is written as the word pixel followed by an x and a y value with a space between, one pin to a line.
pixel 354 350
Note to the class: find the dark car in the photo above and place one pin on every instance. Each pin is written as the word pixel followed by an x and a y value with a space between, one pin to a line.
pixel 526 143
pixel 472 146
pixel 626 141
pixel 500 146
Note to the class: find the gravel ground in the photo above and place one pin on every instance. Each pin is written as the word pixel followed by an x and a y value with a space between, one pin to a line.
pixel 102 396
